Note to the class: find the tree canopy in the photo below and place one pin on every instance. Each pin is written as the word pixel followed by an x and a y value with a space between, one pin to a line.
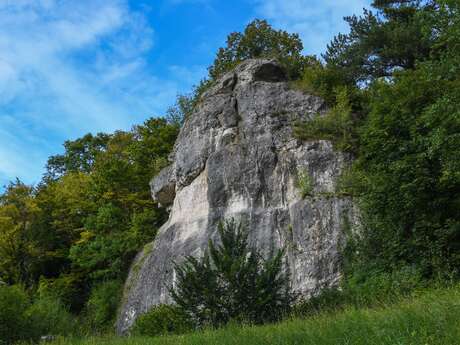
pixel 232 282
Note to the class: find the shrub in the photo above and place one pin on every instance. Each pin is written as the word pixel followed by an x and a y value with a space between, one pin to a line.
pixel 102 304
pixel 304 183
pixel 364 289
pixel 67 288
pixel 48 316
pixel 160 320
pixel 328 300
pixel 22 321
pixel 321 80
pixel 232 282
pixel 372 287
pixel 13 322
pixel 337 125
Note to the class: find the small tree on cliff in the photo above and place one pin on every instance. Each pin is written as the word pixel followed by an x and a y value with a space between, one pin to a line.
pixel 260 40
pixel 232 282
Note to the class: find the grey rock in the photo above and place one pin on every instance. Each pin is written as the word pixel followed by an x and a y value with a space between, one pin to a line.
pixel 163 187
pixel 236 157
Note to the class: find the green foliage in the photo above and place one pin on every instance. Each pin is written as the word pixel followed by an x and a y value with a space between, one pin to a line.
pixel 121 217
pixel 48 315
pixel 260 40
pixel 409 155
pixel 24 243
pixel 402 126
pixel 391 39
pixel 369 288
pixel 177 113
pixel 304 183
pixel 431 317
pixel 21 320
pixel 68 288
pixel 102 305
pixel 336 125
pixel 232 282
pixel 13 322
pixel 80 155
pixel 86 220
pixel 322 80
pixel 351 181
pixel 161 320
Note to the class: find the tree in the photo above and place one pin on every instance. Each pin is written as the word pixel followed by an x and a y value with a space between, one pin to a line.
pixel 20 250
pixel 400 67
pixel 180 110
pixel 409 158
pixel 90 214
pixel 124 216
pixel 381 42
pixel 79 155
pixel 232 282
pixel 260 40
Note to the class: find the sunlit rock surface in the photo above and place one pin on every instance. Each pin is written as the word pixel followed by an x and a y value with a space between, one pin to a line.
pixel 236 157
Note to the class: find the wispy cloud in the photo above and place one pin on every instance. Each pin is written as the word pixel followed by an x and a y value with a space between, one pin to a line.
pixel 68 67
pixel 317 21
pixel 72 66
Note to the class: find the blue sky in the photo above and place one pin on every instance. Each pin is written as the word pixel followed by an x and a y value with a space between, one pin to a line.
pixel 72 67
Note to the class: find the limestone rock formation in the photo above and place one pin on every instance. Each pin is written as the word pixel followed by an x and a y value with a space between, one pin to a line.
pixel 236 157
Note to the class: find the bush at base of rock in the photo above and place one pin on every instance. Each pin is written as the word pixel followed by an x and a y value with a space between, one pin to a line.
pixel 102 304
pixel 160 320
pixel 21 320
pixel 48 316
pixel 13 323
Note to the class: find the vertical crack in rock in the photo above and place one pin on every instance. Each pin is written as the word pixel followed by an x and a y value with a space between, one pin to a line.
pixel 236 157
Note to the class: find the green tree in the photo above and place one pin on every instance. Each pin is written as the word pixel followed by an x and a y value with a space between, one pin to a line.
pixel 19 245
pixel 402 124
pixel 102 305
pixel 381 42
pixel 260 40
pixel 89 216
pixel 180 110
pixel 79 155
pixel 124 217
pixel 14 325
pixel 409 159
pixel 232 282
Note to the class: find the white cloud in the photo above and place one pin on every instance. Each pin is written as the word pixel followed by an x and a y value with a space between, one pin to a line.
pixel 68 67
pixel 317 21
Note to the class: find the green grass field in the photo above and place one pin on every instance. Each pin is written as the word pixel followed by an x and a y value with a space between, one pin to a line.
pixel 433 317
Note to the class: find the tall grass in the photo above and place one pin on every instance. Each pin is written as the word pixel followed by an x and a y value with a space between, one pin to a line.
pixel 431 318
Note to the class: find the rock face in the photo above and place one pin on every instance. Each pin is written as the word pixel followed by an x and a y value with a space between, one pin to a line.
pixel 236 157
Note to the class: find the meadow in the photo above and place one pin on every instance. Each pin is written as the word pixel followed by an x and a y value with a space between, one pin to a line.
pixel 429 317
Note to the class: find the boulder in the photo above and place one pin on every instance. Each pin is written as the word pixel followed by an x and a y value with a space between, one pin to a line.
pixel 236 156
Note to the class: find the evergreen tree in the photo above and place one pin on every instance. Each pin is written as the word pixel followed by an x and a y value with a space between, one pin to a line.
pixel 391 38
pixel 232 282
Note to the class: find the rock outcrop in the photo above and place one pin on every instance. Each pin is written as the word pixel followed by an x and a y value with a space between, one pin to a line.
pixel 236 157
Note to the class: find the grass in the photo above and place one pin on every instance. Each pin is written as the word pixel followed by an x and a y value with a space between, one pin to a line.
pixel 431 318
